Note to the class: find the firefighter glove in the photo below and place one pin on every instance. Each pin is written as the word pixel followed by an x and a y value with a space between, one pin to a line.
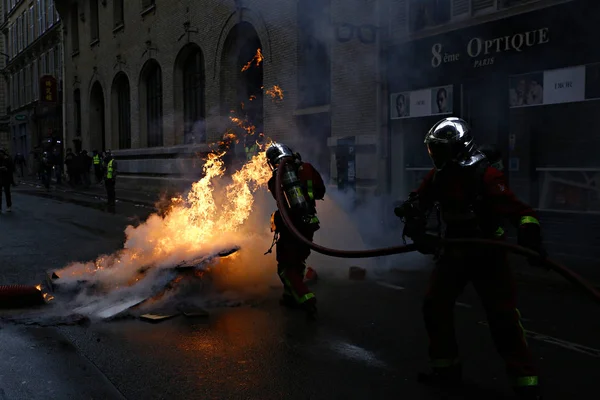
pixel 530 237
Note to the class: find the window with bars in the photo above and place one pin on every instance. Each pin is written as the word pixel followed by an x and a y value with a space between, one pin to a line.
pixel 154 109
pixel 20 33
pixel 124 112
pixel 193 98
pixel 26 29
pixel 41 7
pixel 15 40
pixel 31 24
pixel 50 14
pixel 94 23
pixel 75 28
pixel 118 13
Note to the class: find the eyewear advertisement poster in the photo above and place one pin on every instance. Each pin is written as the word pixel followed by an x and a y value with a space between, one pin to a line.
pixel 565 85
pixel 422 103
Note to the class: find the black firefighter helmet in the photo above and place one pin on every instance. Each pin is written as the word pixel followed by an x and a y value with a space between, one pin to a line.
pixel 450 141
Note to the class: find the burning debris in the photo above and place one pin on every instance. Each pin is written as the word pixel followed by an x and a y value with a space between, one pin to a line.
pixel 246 125
pixel 275 92
pixel 194 234
pixel 256 60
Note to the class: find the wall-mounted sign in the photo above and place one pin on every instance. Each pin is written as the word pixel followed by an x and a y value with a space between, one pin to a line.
pixel 48 89
pixel 565 85
pixel 20 117
pixel 482 51
pixel 422 103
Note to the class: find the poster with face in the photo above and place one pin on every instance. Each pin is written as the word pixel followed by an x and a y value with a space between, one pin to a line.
pixel 400 105
pixel 441 100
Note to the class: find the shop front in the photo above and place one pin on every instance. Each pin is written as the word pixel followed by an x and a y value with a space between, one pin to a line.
pixel 529 84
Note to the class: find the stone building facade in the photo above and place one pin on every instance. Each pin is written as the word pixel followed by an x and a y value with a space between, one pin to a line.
pixel 155 81
pixel 32 54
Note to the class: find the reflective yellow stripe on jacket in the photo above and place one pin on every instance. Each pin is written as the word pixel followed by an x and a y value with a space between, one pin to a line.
pixel 309 186
pixel 109 170
pixel 529 220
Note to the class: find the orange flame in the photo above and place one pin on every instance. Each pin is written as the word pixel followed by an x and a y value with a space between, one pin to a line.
pixel 244 124
pixel 258 58
pixel 275 92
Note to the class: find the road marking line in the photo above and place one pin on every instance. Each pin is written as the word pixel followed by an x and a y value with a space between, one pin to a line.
pixel 465 305
pixel 389 285
pixel 559 342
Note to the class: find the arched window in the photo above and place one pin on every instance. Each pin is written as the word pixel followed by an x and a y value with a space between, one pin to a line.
pixel 121 87
pixel 154 106
pixel 193 98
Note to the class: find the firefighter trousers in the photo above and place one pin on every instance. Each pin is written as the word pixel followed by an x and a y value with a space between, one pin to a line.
pixel 291 264
pixel 492 278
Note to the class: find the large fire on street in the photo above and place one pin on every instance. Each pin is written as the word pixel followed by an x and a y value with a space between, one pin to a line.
pixel 208 220
pixel 200 231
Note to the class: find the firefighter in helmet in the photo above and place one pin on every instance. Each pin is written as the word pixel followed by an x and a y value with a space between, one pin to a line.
pixel 302 186
pixel 472 197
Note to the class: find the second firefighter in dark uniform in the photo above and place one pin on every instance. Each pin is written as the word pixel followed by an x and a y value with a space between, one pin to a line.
pixel 302 186
pixel 473 198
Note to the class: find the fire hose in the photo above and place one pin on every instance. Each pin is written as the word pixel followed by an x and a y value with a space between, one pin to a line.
pixel 563 271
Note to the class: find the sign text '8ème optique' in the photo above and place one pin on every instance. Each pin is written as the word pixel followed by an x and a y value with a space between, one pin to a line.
pixel 483 51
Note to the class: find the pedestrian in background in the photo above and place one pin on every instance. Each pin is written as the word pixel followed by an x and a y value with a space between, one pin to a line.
pixel 46 169
pixel 97 161
pixel 58 165
pixel 70 163
pixel 110 181
pixel 6 179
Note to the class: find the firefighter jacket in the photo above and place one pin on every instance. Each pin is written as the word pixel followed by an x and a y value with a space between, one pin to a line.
pixel 474 201
pixel 313 189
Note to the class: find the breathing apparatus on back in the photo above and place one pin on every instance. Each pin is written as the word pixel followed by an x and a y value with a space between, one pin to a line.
pixel 292 186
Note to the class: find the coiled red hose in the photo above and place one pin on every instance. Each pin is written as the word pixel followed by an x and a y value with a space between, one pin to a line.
pixel 566 273
pixel 15 296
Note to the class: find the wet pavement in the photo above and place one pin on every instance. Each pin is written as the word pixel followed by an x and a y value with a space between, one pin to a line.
pixel 369 341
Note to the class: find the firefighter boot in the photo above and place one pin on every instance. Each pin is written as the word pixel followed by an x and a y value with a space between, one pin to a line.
pixel 528 392
pixel 445 377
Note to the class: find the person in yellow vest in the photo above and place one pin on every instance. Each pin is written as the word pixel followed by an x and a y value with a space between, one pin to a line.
pixel 97 162
pixel 110 181
pixel 253 145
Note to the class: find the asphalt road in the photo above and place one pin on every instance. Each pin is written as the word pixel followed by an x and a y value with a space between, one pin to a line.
pixel 369 341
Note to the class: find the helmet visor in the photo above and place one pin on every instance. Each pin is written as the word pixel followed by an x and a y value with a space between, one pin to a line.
pixel 440 154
